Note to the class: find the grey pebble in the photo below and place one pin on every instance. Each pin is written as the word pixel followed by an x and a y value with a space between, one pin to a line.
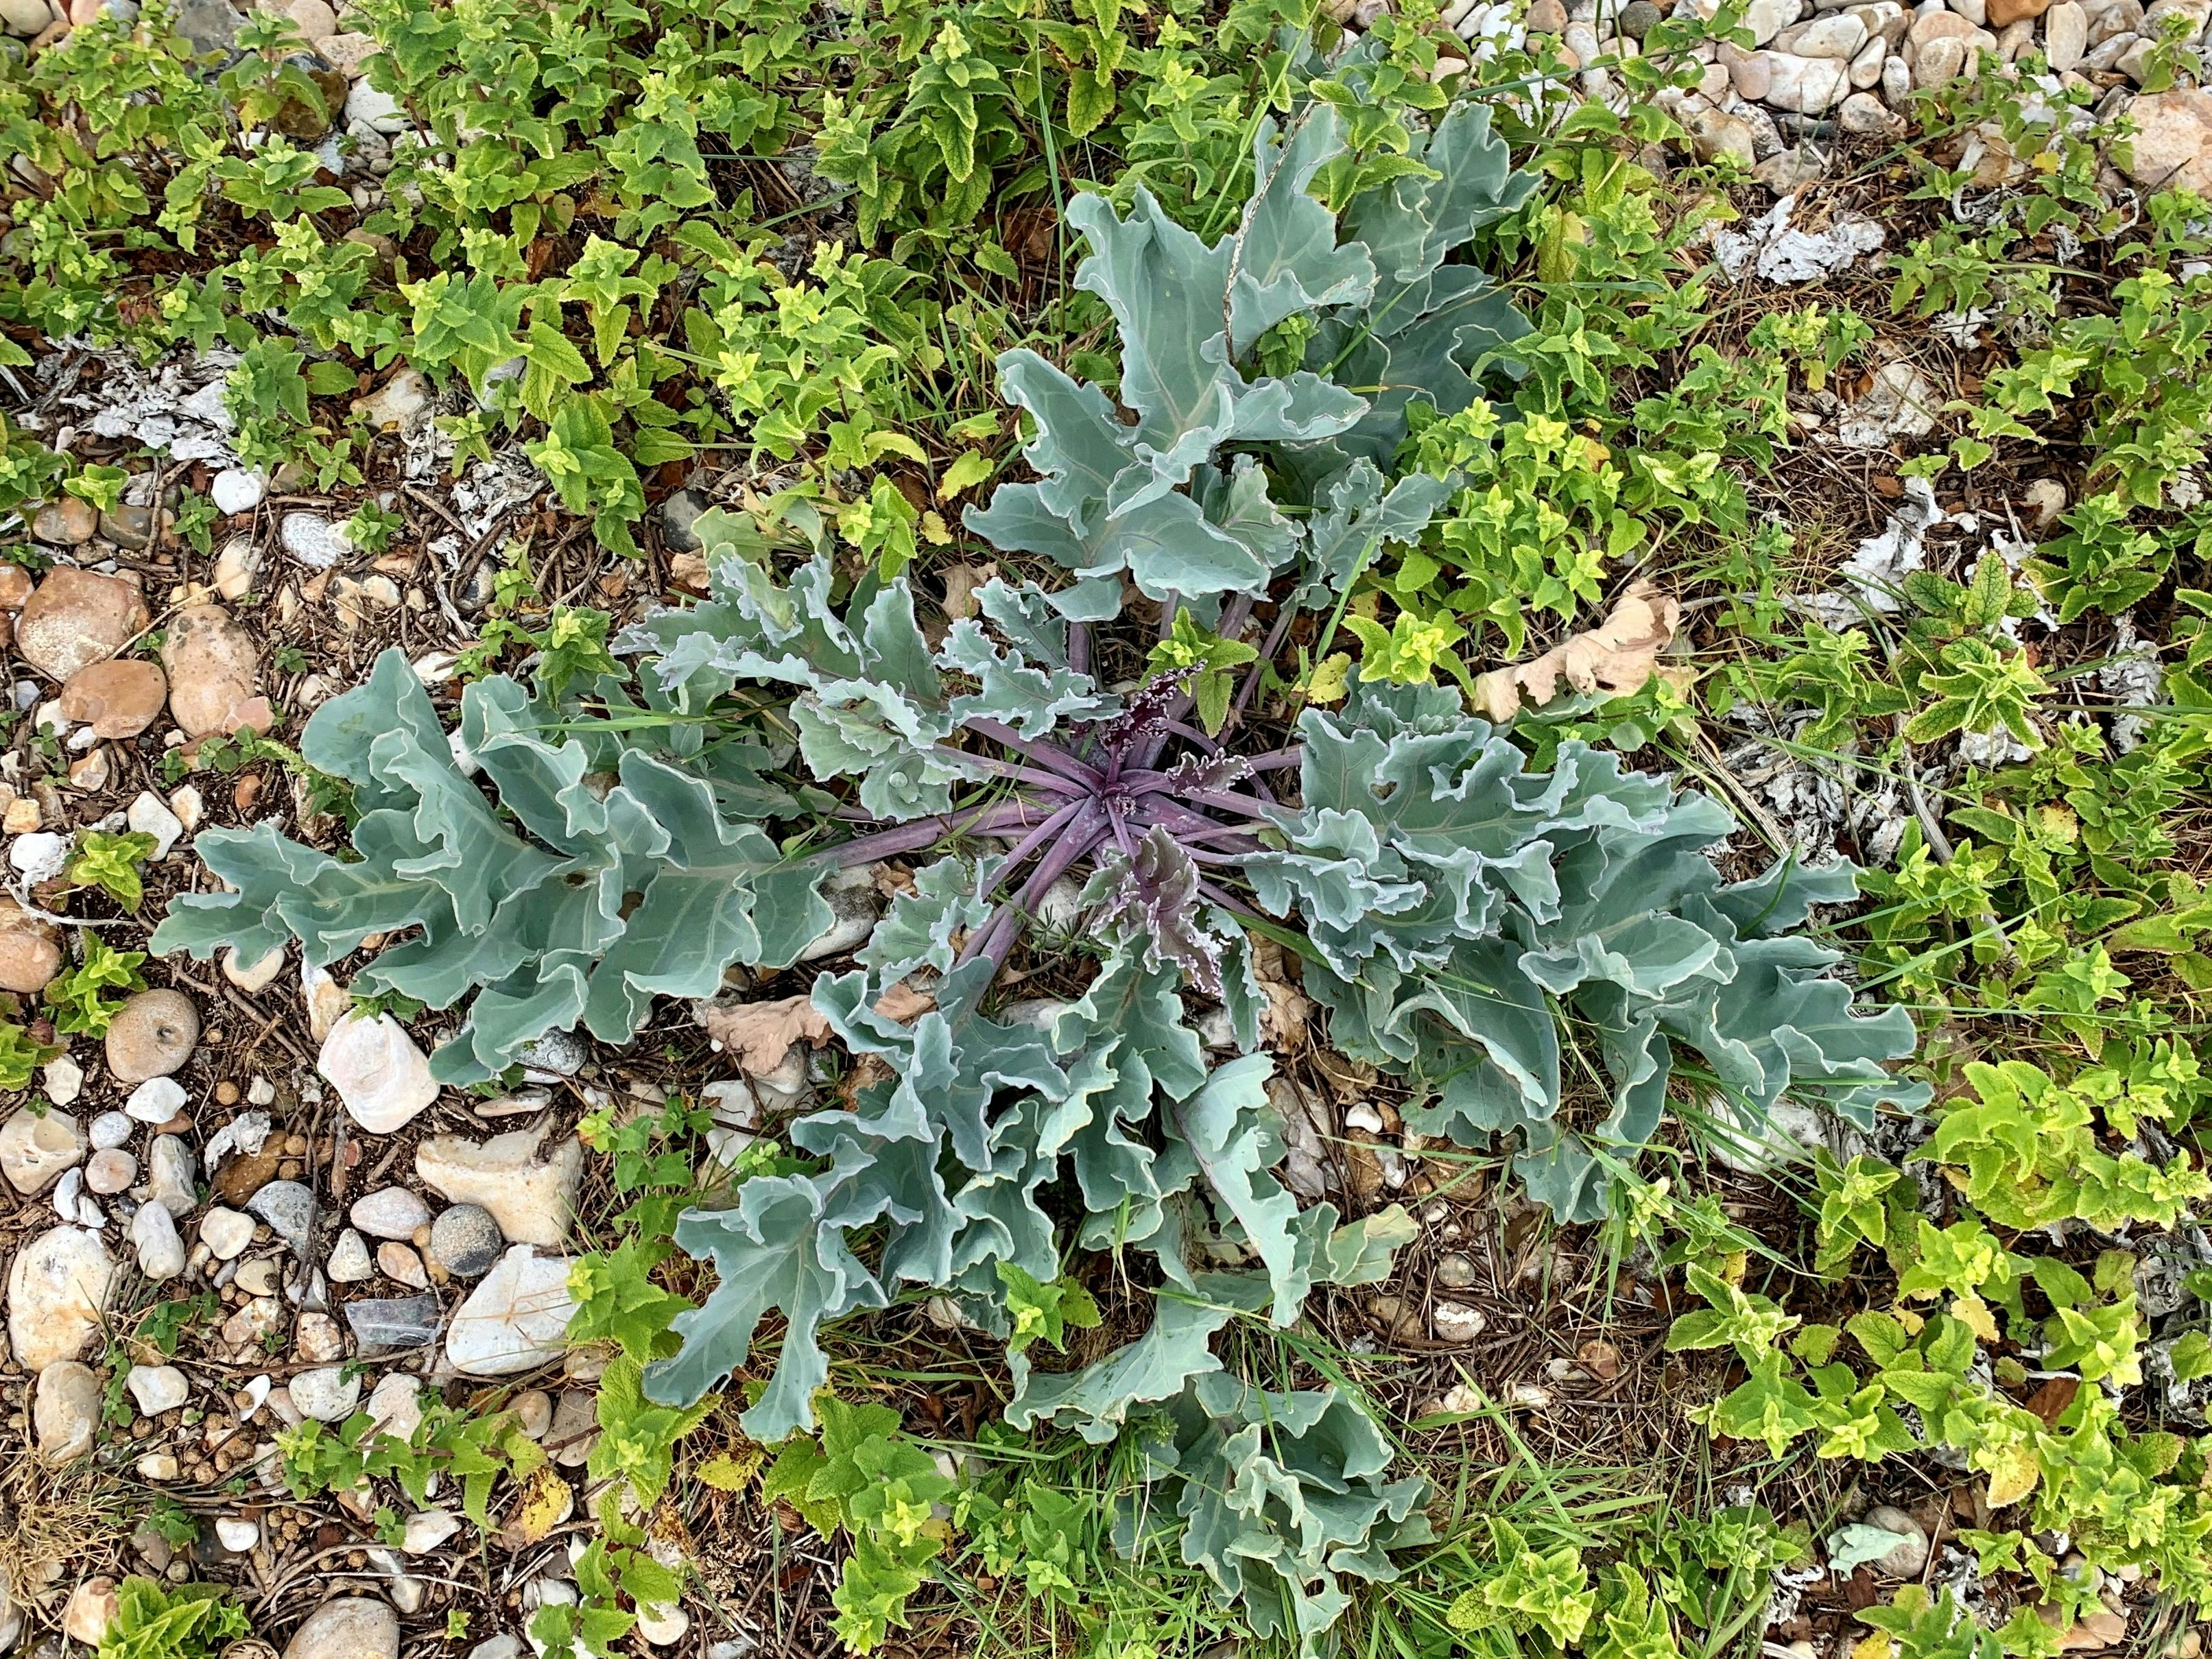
pixel 677 515
pixel 289 1208
pixel 466 1241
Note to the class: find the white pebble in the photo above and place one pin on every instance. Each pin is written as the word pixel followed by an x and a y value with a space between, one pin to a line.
pixel 156 1100
pixel 157 1388
pixel 148 817
pixel 313 539
pixel 236 489
pixel 65 1081
pixel 225 1232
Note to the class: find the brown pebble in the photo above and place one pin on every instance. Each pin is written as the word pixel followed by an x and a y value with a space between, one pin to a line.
pixel 246 791
pixel 77 618
pixel 119 698
pixel 289 1169
pixel 242 1176
pixel 295 1146
pixel 225 1093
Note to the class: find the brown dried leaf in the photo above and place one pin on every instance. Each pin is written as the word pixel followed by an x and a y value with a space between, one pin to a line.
pixel 960 581
pixel 760 1033
pixel 1348 1079
pixel 2050 1401
pixel 1616 657
pixel 1283 1022
pixel 1600 1358
pixel 904 1003
pixel 687 572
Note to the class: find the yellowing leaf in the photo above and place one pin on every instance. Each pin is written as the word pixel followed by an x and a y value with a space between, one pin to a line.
pixel 1616 657
pixel 971 469
pixel 2014 1478
pixel 1974 1314
pixel 1332 679
pixel 547 1501
pixel 732 1471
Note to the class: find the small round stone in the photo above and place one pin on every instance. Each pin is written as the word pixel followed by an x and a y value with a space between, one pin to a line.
pixel 152 1035
pixel 110 1170
pixel 533 1410
pixel 225 1232
pixel 259 1276
pixel 287 1207
pixel 326 1394
pixel 395 1261
pixel 1638 18
pixel 465 1240
pixel 390 1212
pixel 156 1100
pixel 351 1261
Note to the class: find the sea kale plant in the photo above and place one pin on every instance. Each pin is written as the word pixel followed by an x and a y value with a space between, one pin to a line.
pixel 1463 919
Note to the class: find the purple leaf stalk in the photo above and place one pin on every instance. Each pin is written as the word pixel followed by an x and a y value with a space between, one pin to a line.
pixel 1099 793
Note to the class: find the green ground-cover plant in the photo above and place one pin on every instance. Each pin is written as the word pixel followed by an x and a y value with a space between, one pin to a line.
pixel 190 1622
pixel 110 862
pixel 859 1475
pixel 2010 1261
pixel 85 996
pixel 20 1056
pixel 1890 1382
pixel 470 1451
